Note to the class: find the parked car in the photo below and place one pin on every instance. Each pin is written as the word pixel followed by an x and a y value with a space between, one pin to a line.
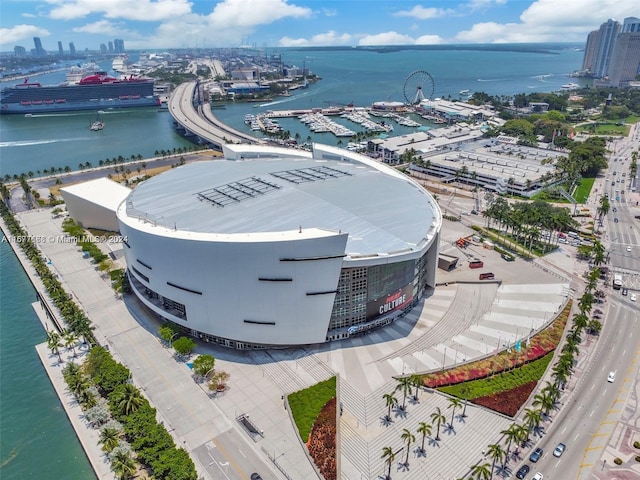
pixel 625 291
pixel 559 450
pixel 632 297
pixel 522 472
pixel 628 248
pixel 537 476
pixel 536 455
pixel 615 220
pixel 256 476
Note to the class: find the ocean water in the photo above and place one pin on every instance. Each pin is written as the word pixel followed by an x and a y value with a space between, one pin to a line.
pixel 363 77
pixel 36 440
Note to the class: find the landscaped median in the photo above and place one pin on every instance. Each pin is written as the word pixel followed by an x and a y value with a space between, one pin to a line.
pixel 314 413
pixel 504 381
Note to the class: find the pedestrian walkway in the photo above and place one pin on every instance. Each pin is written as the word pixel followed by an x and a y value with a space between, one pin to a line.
pixel 453 324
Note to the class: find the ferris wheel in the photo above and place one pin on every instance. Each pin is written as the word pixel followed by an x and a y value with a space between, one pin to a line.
pixel 418 86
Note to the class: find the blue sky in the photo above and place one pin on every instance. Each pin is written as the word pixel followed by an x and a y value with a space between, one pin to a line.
pixel 158 24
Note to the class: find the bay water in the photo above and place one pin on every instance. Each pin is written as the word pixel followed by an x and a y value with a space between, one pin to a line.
pixel 36 440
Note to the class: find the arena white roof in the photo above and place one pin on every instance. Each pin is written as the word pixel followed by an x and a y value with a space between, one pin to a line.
pixel 382 211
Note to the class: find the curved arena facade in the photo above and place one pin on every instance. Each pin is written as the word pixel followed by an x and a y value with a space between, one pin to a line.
pixel 272 247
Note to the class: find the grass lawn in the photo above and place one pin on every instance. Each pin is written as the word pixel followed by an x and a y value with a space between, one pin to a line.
pixel 306 405
pixel 502 381
pixel 583 190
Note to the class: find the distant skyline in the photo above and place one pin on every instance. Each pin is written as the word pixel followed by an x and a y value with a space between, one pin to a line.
pixel 160 24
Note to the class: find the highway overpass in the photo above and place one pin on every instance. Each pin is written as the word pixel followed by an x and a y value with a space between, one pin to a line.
pixel 196 119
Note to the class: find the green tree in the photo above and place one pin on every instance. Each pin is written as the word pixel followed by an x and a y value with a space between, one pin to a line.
pixel 203 365
pixel 390 401
pixel 416 381
pixel 438 418
pixel 424 429
pixel 511 434
pixel 168 332
pixel 54 342
pixel 109 437
pixel 454 403
pixel 408 438
pixel 122 465
pixel 183 345
pixel 389 456
pixel 496 453
pixel 481 471
pixel 404 386
pixel 127 399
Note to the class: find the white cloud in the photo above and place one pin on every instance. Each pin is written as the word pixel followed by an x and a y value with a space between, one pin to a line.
pixel 429 40
pixel 252 13
pixel 321 39
pixel 549 20
pixel 140 10
pixel 17 33
pixel 421 13
pixel 293 42
pixel 474 5
pixel 386 38
pixel 101 27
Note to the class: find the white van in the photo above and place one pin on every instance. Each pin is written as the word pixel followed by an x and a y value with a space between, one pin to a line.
pixel 572 234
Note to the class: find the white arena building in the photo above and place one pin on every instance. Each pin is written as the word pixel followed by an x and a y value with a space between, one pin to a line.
pixel 273 247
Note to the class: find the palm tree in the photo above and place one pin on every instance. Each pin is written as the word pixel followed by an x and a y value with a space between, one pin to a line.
pixel 496 453
pixel 129 399
pixel 424 429
pixel 454 402
pixel 109 437
pixel 438 419
pixel 389 456
pixel 481 472
pixel 390 401
pixel 532 418
pixel 544 400
pixel 465 390
pixel 409 438
pixel 54 343
pixel 416 381
pixel 70 340
pixel 404 385
pixel 511 434
pixel 123 465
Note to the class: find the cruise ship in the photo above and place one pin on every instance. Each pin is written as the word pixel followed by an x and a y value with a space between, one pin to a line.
pixel 94 92
pixel 120 64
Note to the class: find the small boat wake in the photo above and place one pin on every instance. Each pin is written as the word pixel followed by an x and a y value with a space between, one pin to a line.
pixel 28 143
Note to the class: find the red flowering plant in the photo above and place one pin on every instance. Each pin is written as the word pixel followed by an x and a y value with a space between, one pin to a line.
pixel 538 346
pixel 322 441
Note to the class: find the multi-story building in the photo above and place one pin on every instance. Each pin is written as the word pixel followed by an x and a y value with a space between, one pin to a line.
pixel 19 51
pixel 60 49
pixel 72 49
pixel 604 49
pixel 39 51
pixel 612 53
pixel 118 45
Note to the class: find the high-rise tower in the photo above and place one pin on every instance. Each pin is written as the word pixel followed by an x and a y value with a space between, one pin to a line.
pixel 39 51
pixel 625 60
pixel 604 49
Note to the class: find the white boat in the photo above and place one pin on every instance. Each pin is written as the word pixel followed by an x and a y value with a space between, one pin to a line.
pixel 465 92
pixel 120 64
pixel 570 86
